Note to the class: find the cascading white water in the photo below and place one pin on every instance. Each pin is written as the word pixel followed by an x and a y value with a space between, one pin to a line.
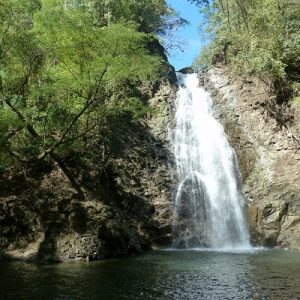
pixel 208 210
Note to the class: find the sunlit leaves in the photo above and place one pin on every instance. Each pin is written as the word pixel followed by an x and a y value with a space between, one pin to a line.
pixel 61 73
pixel 264 36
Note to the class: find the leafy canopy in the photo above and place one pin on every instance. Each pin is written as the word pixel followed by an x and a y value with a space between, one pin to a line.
pixel 260 37
pixel 59 73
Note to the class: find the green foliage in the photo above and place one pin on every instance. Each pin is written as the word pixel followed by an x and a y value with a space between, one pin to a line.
pixel 296 101
pixel 62 74
pixel 152 16
pixel 259 37
pixel 135 107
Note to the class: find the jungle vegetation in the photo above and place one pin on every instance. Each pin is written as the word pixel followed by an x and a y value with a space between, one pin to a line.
pixel 260 38
pixel 69 68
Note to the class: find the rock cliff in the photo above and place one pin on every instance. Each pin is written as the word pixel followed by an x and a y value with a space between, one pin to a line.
pixel 128 204
pixel 267 151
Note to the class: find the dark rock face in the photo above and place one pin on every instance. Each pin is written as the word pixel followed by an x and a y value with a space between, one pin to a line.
pixel 187 70
pixel 128 204
pixel 268 156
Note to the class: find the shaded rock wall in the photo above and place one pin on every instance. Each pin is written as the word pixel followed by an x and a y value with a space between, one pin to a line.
pixel 128 204
pixel 268 155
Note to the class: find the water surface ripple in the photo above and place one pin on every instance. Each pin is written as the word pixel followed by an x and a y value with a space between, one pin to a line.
pixel 267 274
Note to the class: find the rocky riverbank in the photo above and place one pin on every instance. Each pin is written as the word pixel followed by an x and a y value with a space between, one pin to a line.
pixel 267 151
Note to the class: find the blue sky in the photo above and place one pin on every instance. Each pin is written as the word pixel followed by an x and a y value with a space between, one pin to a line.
pixel 189 34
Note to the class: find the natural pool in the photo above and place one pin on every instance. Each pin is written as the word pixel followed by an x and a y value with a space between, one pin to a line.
pixel 254 274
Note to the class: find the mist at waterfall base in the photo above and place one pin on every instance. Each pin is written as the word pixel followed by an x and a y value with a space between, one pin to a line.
pixel 208 209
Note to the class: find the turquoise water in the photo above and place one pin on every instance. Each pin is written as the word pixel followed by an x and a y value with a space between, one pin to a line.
pixel 263 274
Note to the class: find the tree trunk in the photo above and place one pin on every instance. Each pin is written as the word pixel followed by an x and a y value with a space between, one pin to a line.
pixel 69 175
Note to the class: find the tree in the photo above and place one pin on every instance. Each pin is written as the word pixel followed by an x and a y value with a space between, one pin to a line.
pixel 152 16
pixel 263 36
pixel 58 75
pixel 19 57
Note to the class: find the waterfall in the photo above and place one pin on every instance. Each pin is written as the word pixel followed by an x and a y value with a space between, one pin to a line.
pixel 208 208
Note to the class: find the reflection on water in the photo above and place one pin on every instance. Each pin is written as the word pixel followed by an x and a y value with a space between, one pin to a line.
pixel 160 275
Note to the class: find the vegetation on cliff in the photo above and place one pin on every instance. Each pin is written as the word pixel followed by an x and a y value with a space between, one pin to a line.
pixel 70 70
pixel 256 37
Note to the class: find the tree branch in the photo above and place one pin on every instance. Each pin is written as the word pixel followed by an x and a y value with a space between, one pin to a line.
pixel 88 104
pixel 42 155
